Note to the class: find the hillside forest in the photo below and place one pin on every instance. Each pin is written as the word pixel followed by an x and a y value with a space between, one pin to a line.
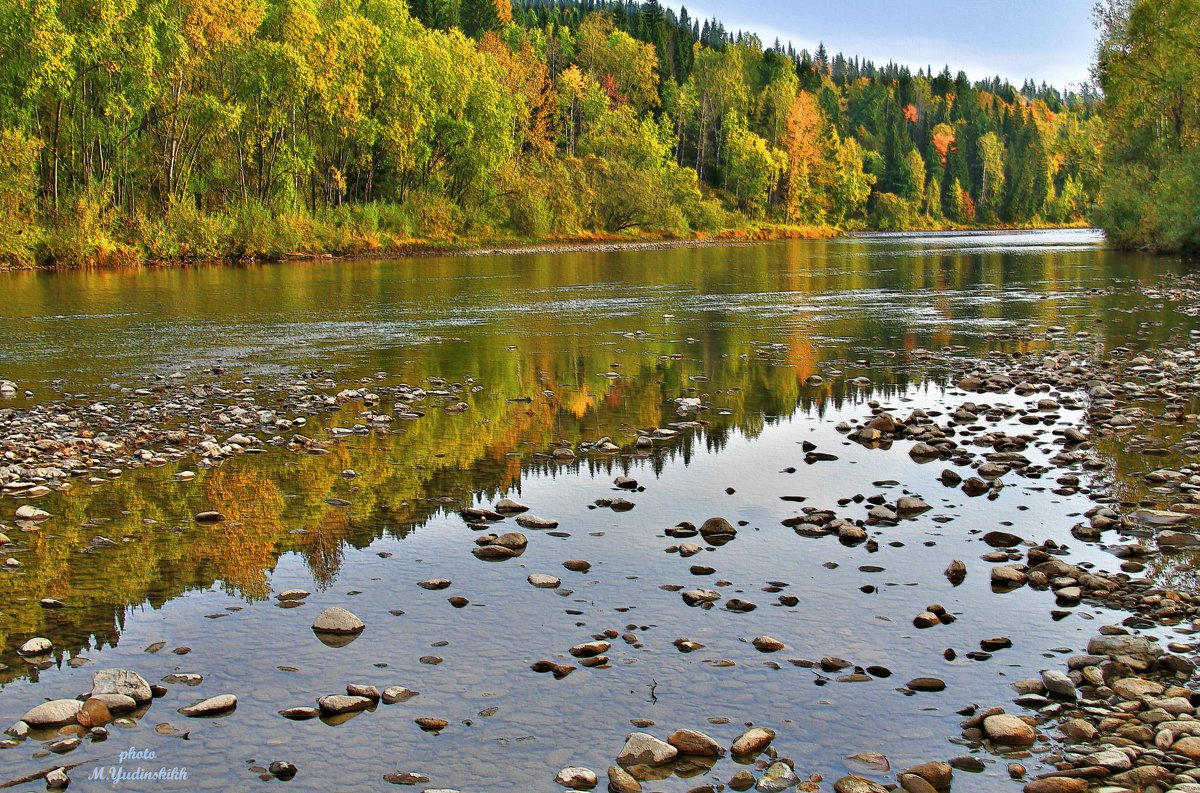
pixel 135 130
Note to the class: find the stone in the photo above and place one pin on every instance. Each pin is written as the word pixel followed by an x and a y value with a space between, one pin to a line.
pixel 621 781
pixel 57 779
pixel 292 594
pixel 753 741
pixel 54 713
pixel 434 583
pixel 122 681
pixel 1189 747
pixel 36 646
pixel 509 506
pixel 30 512
pixel 1059 684
pixel 742 780
pixel 577 778
pixel 694 597
pixel 94 713
pixel 210 516
pixel 768 644
pixel 1136 648
pixel 534 522
pixel 777 778
pixel 589 649
pixel 1079 730
pixel 644 749
pixel 282 770
pixel 717 526
pixel 116 703
pixel 1008 730
pixel 302 713
pixel 543 581
pixel 1008 576
pixel 213 706
pixel 956 571
pixel 938 774
pixel 335 704
pixel 911 506
pixel 1114 760
pixel 362 690
pixel 911 783
pixel 857 784
pixel 394 694
pixel 1056 784
pixel 694 742
pixel 337 620
pixel 1135 688
pixel 930 684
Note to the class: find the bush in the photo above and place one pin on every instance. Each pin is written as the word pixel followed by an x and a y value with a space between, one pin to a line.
pixel 83 233
pixel 18 191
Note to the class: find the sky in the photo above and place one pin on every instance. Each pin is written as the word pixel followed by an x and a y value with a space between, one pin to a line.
pixel 1050 40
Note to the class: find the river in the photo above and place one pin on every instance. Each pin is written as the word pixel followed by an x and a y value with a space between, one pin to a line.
pixel 780 342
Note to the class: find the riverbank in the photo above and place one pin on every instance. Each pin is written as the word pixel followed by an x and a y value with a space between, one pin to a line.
pixel 128 254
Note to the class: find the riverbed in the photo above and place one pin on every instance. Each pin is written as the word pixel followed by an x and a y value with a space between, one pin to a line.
pixel 444 384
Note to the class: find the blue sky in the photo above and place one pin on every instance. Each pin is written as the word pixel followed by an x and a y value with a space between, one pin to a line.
pixel 1051 40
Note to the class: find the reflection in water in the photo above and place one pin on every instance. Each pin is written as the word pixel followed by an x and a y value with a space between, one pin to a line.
pixel 745 327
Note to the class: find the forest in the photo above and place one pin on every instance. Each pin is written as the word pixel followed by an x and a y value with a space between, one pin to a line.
pixel 1148 65
pixel 157 130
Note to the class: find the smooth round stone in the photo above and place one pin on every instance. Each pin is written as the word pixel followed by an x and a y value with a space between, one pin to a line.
pixel 694 742
pixel 54 713
pixel 928 684
pixel 1008 730
pixel 337 620
pixel 336 704
pixel 753 741
pixel 543 581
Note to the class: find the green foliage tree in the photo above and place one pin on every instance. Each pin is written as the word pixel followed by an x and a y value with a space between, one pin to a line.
pixel 1149 68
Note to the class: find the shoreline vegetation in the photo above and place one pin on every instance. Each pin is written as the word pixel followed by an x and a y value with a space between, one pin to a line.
pixel 188 130
pixel 584 243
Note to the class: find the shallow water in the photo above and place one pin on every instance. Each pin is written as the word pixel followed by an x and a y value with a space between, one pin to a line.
pixel 743 327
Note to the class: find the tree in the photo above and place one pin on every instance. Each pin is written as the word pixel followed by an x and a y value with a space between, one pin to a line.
pixel 991 193
pixel 480 16
pixel 1149 68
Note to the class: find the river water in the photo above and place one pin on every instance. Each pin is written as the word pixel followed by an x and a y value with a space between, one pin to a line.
pixel 563 348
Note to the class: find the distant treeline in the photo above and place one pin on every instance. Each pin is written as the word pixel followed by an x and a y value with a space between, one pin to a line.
pixel 173 129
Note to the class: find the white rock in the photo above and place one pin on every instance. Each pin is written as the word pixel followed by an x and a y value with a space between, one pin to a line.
pixel 577 777
pixel 337 620
pixel 36 646
pixel 211 706
pixel 121 681
pixel 641 748
pixel 30 512
pixel 53 713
